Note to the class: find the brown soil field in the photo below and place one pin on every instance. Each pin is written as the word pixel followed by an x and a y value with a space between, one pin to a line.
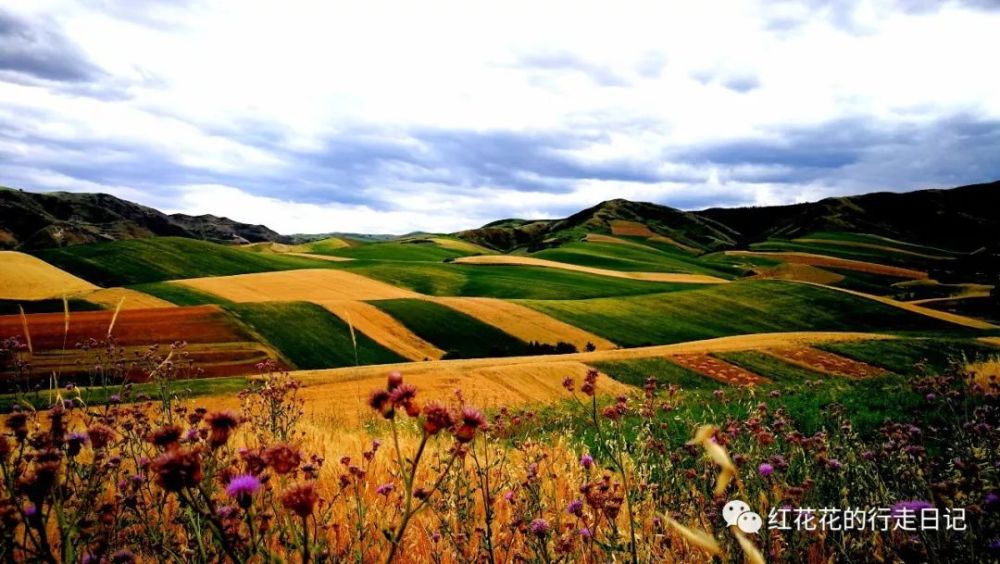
pixel 647 276
pixel 804 272
pixel 823 260
pixel 862 245
pixel 109 298
pixel 383 329
pixel 24 277
pixel 200 324
pixel 525 323
pixel 630 228
pixel 717 369
pixel 826 362
pixel 297 285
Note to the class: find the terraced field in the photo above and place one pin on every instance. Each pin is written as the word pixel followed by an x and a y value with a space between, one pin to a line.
pixel 628 256
pixel 718 370
pixel 826 362
pixel 676 278
pixel 813 259
pixel 731 309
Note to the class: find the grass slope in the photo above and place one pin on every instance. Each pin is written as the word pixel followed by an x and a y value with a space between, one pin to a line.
pixel 634 372
pixel 422 250
pixel 309 336
pixel 10 307
pixel 770 367
pixel 508 282
pixel 911 356
pixel 458 334
pixel 124 263
pixel 731 309
pixel 179 294
pixel 631 258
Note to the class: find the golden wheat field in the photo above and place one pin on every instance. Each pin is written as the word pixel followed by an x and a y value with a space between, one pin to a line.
pixel 110 298
pixel 297 285
pixel 24 277
pixel 383 329
pixel 679 278
pixel 525 323
pixel 459 245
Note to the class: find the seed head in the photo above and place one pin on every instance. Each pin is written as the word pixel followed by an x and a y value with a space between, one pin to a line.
pixel 300 499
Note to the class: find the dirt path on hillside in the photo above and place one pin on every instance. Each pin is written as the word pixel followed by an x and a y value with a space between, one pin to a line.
pixel 646 276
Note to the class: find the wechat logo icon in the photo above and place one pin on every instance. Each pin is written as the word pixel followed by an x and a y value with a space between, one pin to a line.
pixel 738 513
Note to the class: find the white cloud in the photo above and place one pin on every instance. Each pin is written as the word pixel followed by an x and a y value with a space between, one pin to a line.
pixel 225 95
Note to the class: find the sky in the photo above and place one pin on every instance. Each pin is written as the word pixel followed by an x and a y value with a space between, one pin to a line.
pixel 391 117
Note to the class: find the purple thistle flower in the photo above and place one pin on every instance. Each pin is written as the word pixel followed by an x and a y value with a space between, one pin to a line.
pixel 931 396
pixel 586 461
pixel 992 501
pixel 509 496
pixel 765 469
pixel 575 507
pixel 31 510
pixel 994 547
pixel 242 488
pixel 115 399
pixel 834 464
pixel 585 533
pixel 385 489
pixel 540 527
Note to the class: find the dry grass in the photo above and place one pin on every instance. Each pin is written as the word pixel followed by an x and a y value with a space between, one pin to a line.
pixel 987 373
pixel 991 340
pixel 833 262
pixel 109 298
pixel 646 276
pixel 339 397
pixel 525 323
pixel 330 258
pixel 297 285
pixel 803 272
pixel 598 238
pixel 383 329
pixel 24 277
pixel 630 228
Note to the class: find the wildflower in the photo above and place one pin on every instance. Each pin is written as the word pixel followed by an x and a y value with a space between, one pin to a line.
pixel 222 424
pixel 100 435
pixel 992 501
pixel 509 496
pixel 395 380
pixel 242 488
pixel 575 507
pixel 765 469
pixel 930 397
pixel 586 461
pixel 589 386
pixel 568 384
pixel 585 533
pixel 115 399
pixel 177 470
pixel 994 547
pixel 436 418
pixel 403 396
pixel 166 437
pixel 282 458
pixel 540 528
pixel 471 420
pixel 834 464
pixel 380 401
pixel 300 499
pixel 385 489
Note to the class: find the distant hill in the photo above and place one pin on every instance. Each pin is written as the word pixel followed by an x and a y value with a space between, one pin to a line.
pixel 613 217
pixel 962 219
pixel 57 219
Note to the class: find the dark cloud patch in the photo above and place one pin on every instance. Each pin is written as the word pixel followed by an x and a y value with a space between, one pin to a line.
pixel 861 154
pixel 38 49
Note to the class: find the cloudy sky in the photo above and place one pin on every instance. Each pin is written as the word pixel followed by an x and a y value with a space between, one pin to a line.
pixel 389 117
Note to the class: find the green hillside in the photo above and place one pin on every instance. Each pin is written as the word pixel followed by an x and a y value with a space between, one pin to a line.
pixel 123 263
pixel 631 258
pixel 456 333
pixel 309 336
pixel 420 250
pixel 731 309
